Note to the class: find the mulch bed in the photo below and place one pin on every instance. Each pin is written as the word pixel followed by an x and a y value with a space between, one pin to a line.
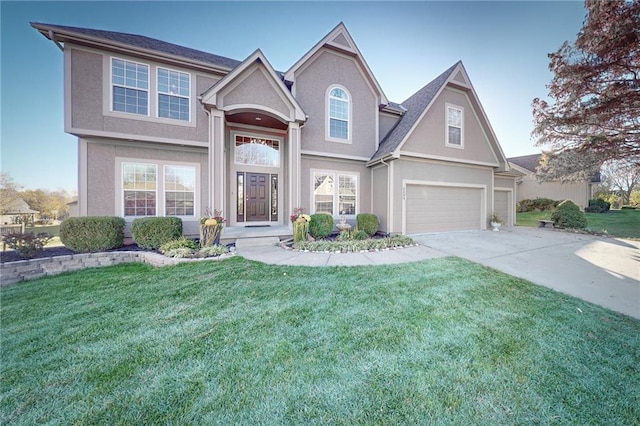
pixel 13 256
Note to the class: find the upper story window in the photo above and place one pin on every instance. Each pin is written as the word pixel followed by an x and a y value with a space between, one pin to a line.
pixel 339 112
pixel 174 88
pixel 130 87
pixel 455 118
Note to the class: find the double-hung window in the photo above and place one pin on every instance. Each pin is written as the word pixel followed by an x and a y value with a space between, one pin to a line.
pixel 150 189
pixel 174 90
pixel 130 87
pixel 335 193
pixel 455 118
pixel 338 114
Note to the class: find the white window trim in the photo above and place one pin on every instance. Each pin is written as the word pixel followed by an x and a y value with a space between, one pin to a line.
pixel 446 126
pixel 112 85
pixel 327 126
pixel 160 191
pixel 158 93
pixel 336 195
pixel 256 136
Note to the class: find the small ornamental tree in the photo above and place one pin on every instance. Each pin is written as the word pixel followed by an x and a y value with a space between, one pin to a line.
pixel 568 215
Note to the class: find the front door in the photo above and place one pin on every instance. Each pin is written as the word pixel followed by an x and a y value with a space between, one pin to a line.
pixel 257 197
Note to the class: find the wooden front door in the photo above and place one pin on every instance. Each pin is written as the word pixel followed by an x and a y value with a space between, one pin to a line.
pixel 257 197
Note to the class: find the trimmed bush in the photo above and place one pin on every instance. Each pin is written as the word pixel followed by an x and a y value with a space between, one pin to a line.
pixel 539 204
pixel 367 222
pixel 593 209
pixel 321 225
pixel 92 234
pixel 28 244
pixel 603 205
pixel 152 232
pixel 360 235
pixel 568 215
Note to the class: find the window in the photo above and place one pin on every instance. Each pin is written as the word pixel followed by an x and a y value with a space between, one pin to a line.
pixel 257 151
pixel 173 94
pixel 339 111
pixel 179 187
pixel 139 187
pixel 158 189
pixel 130 85
pixel 454 126
pixel 332 199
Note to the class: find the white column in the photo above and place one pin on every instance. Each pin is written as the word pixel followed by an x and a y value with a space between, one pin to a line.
pixel 294 169
pixel 217 182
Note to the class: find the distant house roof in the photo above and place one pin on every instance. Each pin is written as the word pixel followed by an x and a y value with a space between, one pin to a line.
pixel 17 206
pixel 528 162
pixel 414 106
pixel 531 162
pixel 140 42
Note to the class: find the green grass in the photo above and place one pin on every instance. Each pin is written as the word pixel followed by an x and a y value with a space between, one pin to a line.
pixel 443 341
pixel 618 223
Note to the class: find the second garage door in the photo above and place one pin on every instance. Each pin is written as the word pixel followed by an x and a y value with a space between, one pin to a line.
pixel 442 208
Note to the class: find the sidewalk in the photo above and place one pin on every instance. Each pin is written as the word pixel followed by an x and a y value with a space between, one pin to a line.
pixel 278 256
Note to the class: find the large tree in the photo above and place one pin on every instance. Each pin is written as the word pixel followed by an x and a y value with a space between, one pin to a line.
pixel 8 192
pixel 596 87
pixel 621 178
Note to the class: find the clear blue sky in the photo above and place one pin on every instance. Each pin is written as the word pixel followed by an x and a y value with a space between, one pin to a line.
pixel 503 45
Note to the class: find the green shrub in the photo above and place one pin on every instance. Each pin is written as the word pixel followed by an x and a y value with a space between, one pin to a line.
pixel 180 253
pixel 367 222
pixel 92 234
pixel 355 245
pixel 544 204
pixel 360 235
pixel 568 215
pixel 28 244
pixel 153 232
pixel 321 225
pixel 178 244
pixel 215 250
pixel 599 202
pixel 593 209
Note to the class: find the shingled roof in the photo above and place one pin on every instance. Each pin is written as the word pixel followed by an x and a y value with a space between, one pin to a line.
pixel 415 106
pixel 528 162
pixel 143 43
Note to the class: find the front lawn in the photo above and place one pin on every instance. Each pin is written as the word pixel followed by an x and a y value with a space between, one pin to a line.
pixel 238 342
pixel 618 223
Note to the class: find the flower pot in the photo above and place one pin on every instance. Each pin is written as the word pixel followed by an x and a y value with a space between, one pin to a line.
pixel 496 226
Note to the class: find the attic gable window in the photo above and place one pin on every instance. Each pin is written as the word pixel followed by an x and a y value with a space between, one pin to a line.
pixel 129 87
pixel 174 89
pixel 455 118
pixel 339 112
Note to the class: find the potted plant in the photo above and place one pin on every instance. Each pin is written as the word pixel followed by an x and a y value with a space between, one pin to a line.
pixel 495 221
pixel 300 224
pixel 211 228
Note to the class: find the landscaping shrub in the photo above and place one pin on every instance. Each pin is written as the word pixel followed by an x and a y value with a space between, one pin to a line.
pixel 593 209
pixel 603 205
pixel 539 204
pixel 180 243
pixel 568 215
pixel 360 235
pixel 355 245
pixel 153 232
pixel 629 207
pixel 28 244
pixel 211 251
pixel 367 222
pixel 92 234
pixel 321 225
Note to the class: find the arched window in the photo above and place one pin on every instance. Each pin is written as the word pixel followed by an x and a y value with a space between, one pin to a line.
pixel 339 111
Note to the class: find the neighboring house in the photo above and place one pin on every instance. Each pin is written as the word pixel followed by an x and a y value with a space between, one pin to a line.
pixel 73 208
pixel 530 188
pixel 15 211
pixel 168 130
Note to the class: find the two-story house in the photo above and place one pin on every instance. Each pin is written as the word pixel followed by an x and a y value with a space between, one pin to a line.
pixel 164 130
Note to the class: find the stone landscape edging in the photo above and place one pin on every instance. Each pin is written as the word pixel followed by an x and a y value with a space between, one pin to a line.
pixel 24 270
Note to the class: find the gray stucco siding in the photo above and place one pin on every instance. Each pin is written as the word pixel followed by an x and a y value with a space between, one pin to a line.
pixel 310 164
pixel 91 109
pixel 255 89
pixel 379 195
pixel 429 136
pixel 435 172
pixel 311 84
pixel 103 174
pixel 386 123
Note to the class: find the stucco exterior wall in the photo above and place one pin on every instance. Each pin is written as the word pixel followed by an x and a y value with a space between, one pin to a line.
pixel 578 192
pixel 103 173
pixel 90 106
pixel 326 69
pixel 309 163
pixel 387 122
pixel 255 89
pixel 429 137
pixel 379 195
pixel 437 172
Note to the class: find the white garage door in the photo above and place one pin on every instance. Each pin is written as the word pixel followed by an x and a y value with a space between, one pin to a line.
pixel 442 208
pixel 501 205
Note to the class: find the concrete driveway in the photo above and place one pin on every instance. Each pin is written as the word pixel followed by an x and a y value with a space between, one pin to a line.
pixel 604 271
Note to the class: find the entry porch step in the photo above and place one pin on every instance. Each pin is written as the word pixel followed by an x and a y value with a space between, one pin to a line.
pixel 257 241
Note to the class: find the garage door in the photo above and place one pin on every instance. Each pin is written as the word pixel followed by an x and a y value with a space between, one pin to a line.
pixel 442 208
pixel 501 205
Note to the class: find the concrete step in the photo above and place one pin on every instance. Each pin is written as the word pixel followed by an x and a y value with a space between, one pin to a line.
pixel 257 241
